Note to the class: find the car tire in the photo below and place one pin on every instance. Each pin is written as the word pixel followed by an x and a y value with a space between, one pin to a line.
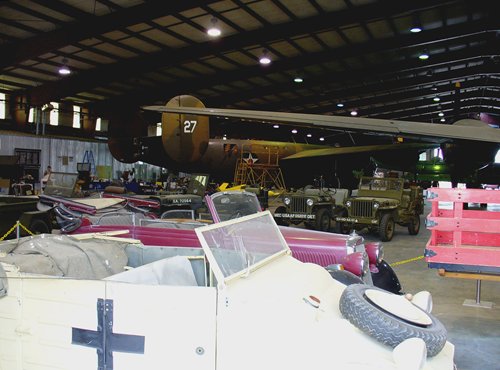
pixel 414 225
pixel 280 221
pixel 386 227
pixel 385 326
pixel 39 227
pixel 323 220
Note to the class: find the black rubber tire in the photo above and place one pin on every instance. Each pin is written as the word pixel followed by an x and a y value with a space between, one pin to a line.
pixel 38 226
pixel 386 227
pixel 280 221
pixel 414 225
pixel 323 220
pixel 386 327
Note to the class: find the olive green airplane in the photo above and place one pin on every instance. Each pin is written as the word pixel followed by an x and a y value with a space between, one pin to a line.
pixel 186 144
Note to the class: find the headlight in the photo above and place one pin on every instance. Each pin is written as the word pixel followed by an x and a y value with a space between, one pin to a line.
pixel 348 203
pixel 376 205
pixel 310 202
pixel 287 201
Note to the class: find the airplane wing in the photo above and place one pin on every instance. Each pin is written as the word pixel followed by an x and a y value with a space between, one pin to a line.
pixel 468 130
pixel 327 151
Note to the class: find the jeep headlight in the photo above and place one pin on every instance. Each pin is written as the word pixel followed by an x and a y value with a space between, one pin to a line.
pixel 348 203
pixel 376 205
pixel 287 201
pixel 310 202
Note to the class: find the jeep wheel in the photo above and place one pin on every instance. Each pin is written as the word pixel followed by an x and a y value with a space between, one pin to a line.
pixel 323 219
pixel 279 220
pixel 389 318
pixel 386 227
pixel 414 225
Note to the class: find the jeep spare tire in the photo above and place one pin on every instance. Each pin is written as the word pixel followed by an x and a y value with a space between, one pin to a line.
pixel 390 318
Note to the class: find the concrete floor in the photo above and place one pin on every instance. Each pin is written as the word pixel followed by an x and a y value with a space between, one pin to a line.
pixel 475 331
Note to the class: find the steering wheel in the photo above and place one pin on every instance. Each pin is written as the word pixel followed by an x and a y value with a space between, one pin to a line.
pixel 234 215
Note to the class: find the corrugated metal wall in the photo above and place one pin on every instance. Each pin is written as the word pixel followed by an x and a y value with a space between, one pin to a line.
pixel 63 154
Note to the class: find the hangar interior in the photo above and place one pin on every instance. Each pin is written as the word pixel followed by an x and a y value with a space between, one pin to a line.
pixel 75 74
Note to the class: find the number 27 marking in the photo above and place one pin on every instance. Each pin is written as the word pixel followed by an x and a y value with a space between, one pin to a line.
pixel 189 126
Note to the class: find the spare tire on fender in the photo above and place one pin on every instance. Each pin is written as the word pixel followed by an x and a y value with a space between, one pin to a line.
pixel 385 326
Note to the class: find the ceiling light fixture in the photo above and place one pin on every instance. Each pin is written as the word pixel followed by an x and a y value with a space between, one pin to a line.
pixel 294 131
pixel 264 58
pixel 214 31
pixel 443 120
pixel 321 139
pixel 340 105
pixel 64 69
pixel 276 126
pixel 298 79
pixel 354 113
pixel 309 135
pixel 441 114
pixel 436 98
pixel 416 29
pixel 424 56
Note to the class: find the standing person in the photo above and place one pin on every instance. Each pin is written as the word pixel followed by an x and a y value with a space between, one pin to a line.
pixel 46 176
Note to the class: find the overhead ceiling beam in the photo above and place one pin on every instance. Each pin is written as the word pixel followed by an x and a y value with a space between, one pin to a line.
pixel 150 62
pixel 141 96
pixel 89 26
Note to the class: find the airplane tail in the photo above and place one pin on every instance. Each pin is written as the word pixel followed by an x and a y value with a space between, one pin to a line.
pixel 185 136
pixel 183 142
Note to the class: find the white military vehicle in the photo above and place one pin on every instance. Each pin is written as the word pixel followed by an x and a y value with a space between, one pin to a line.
pixel 242 302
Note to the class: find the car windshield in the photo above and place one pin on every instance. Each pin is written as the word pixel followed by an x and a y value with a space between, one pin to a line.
pixel 233 204
pixel 237 247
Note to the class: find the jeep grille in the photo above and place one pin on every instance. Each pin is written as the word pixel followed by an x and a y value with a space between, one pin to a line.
pixel 298 204
pixel 362 208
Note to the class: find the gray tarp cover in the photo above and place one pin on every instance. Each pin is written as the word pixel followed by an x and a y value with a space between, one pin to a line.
pixel 61 255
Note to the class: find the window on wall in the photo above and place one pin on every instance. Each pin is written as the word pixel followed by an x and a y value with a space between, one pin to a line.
pixel 54 114
pixel 423 156
pixel 438 153
pixel 2 106
pixel 98 124
pixel 158 129
pixel 77 111
pixel 31 115
pixel 497 157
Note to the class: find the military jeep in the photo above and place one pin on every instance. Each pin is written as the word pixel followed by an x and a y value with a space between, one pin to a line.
pixel 192 199
pixel 380 204
pixel 316 207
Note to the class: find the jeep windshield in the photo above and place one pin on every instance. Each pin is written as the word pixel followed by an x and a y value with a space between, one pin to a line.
pixel 228 205
pixel 237 247
pixel 380 183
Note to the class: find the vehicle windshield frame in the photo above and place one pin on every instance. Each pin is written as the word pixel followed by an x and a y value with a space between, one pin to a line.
pixel 235 232
pixel 213 204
